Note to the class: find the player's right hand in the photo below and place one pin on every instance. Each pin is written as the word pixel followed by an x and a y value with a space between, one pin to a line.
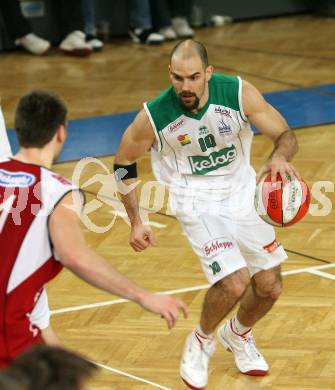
pixel 141 237
pixel 165 305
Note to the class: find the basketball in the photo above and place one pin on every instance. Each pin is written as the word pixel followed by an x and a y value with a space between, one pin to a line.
pixel 281 204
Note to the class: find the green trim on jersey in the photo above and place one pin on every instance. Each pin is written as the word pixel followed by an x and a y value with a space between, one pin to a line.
pixel 224 91
pixel 165 108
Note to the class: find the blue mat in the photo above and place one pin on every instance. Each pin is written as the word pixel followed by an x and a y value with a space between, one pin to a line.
pixel 100 136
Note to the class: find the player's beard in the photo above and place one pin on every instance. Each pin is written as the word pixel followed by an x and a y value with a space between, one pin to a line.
pixel 189 106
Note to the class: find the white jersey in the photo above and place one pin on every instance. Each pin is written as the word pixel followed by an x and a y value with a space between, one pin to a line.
pixel 206 151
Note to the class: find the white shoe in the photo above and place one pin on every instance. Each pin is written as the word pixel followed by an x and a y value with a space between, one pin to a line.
pixel 168 33
pixel 149 37
pixel 75 44
pixel 194 362
pixel 182 28
pixel 95 43
pixel 34 44
pixel 247 358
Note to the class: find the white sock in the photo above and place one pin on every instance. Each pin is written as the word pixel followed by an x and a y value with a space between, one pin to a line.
pixel 238 327
pixel 202 334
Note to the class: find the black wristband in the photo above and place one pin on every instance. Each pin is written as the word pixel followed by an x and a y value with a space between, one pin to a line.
pixel 123 172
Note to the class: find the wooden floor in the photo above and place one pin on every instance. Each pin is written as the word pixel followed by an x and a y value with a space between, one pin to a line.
pixel 298 336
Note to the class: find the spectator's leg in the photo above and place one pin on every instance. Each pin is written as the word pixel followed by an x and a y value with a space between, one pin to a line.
pixel 161 15
pixel 71 17
pixel 141 24
pixel 88 14
pixel 181 8
pixel 139 14
pixel 74 42
pixel 181 11
pixel 16 24
pixel 19 29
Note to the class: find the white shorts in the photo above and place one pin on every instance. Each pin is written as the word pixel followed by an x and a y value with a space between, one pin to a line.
pixel 228 234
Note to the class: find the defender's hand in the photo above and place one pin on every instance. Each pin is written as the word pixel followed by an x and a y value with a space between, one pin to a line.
pixel 168 307
pixel 141 237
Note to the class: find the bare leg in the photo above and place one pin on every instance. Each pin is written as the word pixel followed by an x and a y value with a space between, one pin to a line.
pixel 221 298
pixel 260 296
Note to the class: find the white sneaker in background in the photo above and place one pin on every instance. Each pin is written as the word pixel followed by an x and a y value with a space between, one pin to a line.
pixel 195 359
pixel 247 358
pixel 182 28
pixel 95 43
pixel 147 36
pixel 168 33
pixel 33 44
pixel 75 44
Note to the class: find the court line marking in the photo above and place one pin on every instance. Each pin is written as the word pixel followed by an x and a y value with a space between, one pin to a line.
pixel 150 223
pixel 116 371
pixel 313 270
pixel 322 274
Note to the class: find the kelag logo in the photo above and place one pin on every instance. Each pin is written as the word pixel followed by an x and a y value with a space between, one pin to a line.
pixel 201 165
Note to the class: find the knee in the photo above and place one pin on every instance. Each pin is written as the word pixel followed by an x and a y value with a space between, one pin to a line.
pixel 235 284
pixel 269 290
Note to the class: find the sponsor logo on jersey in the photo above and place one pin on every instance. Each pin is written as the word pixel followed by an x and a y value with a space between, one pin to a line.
pixel 222 111
pixel 203 130
pixel 16 179
pixel 61 179
pixel 223 128
pixel 184 139
pixel 176 125
pixel 272 247
pixel 217 245
pixel 201 165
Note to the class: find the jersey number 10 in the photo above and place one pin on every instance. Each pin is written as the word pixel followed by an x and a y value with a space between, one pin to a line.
pixel 207 142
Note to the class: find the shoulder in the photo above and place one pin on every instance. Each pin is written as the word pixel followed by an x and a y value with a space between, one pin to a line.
pixel 55 185
pixel 162 100
pixel 221 79
pixel 163 110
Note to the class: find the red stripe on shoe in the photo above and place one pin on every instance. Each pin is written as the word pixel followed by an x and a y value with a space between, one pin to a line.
pixel 197 337
pixel 190 386
pixel 202 338
pixel 238 334
pixel 256 372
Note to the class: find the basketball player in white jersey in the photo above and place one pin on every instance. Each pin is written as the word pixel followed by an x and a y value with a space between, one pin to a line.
pixel 40 231
pixel 200 138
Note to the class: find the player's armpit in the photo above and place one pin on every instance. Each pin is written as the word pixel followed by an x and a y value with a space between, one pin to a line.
pixel 137 140
pixel 50 337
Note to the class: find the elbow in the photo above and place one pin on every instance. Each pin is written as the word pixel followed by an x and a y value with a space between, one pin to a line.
pixel 295 144
pixel 296 147
pixel 70 258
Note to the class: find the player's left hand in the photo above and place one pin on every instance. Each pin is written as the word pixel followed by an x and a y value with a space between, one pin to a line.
pixel 279 165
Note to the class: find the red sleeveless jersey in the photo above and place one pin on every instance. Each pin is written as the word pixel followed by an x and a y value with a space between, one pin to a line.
pixel 28 195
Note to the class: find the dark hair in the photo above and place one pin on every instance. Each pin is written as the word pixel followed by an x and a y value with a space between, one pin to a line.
pixel 51 368
pixel 38 115
pixel 198 46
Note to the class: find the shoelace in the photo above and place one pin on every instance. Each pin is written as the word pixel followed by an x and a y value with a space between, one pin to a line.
pixel 251 347
pixel 207 348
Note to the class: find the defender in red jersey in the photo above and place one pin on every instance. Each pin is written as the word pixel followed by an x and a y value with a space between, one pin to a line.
pixel 40 231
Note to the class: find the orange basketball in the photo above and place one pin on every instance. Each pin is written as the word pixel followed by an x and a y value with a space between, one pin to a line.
pixel 281 204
